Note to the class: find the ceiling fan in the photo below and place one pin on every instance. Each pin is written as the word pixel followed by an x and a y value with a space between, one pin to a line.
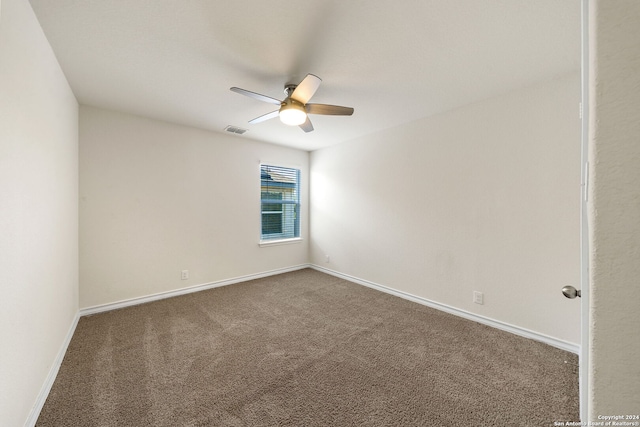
pixel 294 109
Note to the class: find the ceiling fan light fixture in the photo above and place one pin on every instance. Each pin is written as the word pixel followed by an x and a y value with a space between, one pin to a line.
pixel 292 113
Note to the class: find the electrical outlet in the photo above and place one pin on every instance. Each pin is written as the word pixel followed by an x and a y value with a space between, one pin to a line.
pixel 478 297
pixel 184 275
pixel 327 258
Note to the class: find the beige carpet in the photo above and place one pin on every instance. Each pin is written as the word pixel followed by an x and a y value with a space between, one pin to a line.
pixel 304 349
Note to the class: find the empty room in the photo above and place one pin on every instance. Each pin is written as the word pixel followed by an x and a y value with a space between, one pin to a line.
pixel 356 213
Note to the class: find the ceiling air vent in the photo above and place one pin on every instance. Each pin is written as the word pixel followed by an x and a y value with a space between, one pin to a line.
pixel 235 129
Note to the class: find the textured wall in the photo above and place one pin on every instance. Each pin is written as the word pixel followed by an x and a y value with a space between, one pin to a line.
pixel 614 217
pixel 38 210
pixel 485 197
pixel 158 198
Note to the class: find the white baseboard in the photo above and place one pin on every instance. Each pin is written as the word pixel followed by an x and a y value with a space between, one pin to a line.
pixel 183 291
pixel 564 345
pixel 51 377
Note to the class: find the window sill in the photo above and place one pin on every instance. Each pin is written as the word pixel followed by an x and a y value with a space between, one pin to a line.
pixel 264 243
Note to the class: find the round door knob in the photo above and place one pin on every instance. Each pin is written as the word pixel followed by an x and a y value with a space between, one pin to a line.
pixel 570 292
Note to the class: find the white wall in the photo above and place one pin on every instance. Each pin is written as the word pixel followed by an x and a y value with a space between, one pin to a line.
pixel 614 208
pixel 38 210
pixel 158 198
pixel 485 197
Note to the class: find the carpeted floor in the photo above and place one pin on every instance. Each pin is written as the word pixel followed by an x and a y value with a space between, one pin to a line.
pixel 304 349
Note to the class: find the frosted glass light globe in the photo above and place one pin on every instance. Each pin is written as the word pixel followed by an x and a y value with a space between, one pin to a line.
pixel 292 114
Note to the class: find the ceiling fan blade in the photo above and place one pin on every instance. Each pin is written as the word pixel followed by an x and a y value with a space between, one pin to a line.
pixel 328 110
pixel 265 117
pixel 257 96
pixel 307 126
pixel 307 87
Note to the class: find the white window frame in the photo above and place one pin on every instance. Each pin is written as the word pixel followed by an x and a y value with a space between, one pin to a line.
pixel 281 238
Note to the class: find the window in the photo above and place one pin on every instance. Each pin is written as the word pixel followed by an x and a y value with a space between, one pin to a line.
pixel 280 202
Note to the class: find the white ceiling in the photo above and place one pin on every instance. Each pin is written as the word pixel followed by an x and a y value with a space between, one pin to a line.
pixel 394 61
